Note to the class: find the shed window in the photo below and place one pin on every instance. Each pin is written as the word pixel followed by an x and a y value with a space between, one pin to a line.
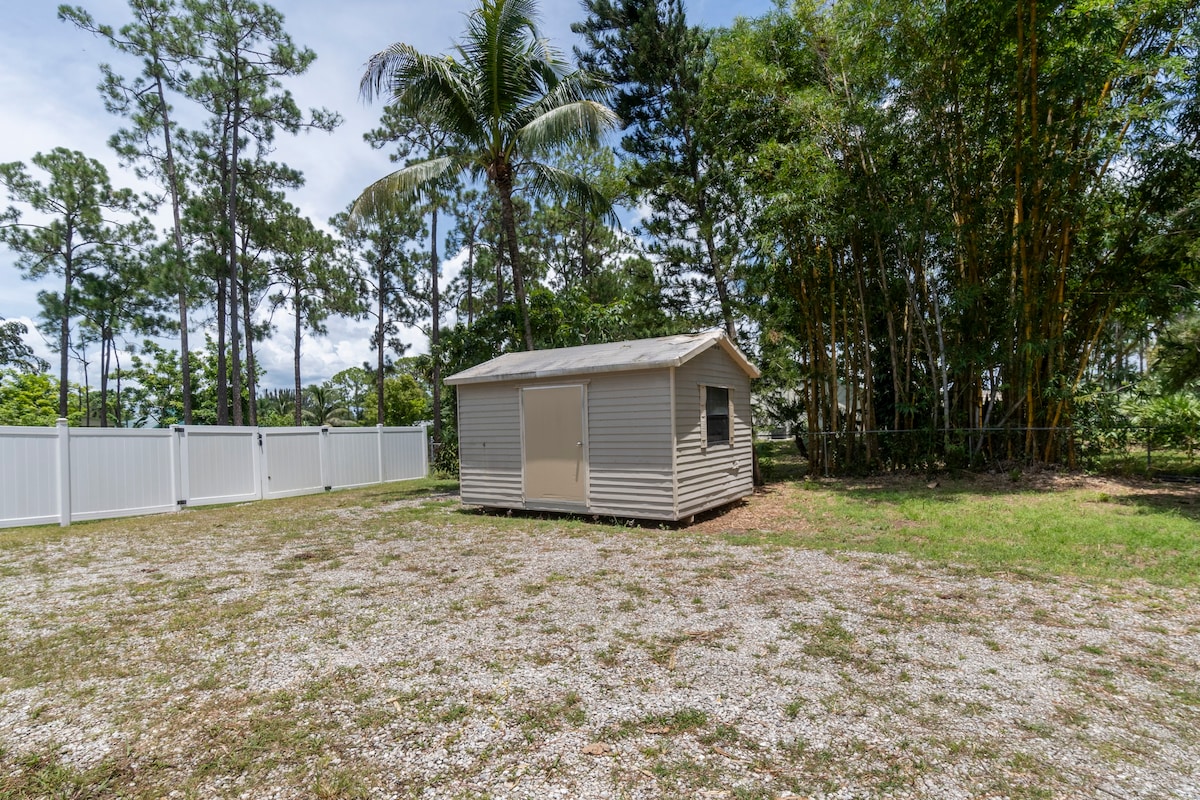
pixel 717 428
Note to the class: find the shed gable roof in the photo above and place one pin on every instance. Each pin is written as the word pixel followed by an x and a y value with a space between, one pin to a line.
pixel 665 351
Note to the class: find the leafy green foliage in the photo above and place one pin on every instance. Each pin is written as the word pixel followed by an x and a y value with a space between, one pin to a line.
pixel 405 402
pixel 27 399
pixel 14 352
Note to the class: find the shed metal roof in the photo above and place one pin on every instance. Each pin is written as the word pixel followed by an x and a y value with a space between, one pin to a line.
pixel 665 351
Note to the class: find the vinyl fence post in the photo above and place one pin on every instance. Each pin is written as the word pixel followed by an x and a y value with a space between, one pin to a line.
pixel 379 449
pixel 425 451
pixel 64 472
pixel 183 458
pixel 323 454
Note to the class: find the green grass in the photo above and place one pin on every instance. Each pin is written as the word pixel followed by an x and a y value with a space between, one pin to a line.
pixel 1031 533
pixel 1135 461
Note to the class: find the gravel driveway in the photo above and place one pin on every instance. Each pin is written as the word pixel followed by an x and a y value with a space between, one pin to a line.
pixel 354 646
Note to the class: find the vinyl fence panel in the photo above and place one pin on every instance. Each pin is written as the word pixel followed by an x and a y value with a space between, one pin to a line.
pixel 291 461
pixel 28 476
pixel 116 472
pixel 405 453
pixel 354 457
pixel 60 474
pixel 220 464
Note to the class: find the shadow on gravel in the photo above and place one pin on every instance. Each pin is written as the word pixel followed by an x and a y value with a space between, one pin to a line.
pixel 606 519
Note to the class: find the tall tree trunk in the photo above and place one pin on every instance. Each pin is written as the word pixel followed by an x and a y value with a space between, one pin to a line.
pixel 296 333
pixel 222 278
pixel 235 388
pixel 181 272
pixel 471 280
pixel 222 359
pixel 64 327
pixel 503 180
pixel 718 274
pixel 105 361
pixel 380 342
pixel 435 350
pixel 251 378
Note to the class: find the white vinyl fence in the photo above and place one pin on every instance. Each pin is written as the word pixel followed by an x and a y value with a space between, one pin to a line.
pixel 61 475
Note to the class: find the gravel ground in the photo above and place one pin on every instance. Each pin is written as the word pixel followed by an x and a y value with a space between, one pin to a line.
pixel 339 647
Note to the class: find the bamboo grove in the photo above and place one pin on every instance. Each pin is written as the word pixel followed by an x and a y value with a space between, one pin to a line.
pixel 958 209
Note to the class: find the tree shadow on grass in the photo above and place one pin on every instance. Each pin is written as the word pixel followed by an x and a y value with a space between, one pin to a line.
pixel 1182 498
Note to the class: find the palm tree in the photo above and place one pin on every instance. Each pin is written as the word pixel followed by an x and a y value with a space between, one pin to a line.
pixel 323 406
pixel 509 97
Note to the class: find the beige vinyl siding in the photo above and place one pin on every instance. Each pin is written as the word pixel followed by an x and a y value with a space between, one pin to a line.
pixel 709 476
pixel 489 445
pixel 629 445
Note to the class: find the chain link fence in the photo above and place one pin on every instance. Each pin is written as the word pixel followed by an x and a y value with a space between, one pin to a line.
pixel 1163 452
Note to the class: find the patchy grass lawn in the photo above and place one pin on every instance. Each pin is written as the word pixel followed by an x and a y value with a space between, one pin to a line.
pixel 1036 638
pixel 1095 529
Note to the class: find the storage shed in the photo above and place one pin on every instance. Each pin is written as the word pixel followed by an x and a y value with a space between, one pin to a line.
pixel 651 429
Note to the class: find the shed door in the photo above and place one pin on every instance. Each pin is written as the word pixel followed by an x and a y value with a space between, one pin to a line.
pixel 554 447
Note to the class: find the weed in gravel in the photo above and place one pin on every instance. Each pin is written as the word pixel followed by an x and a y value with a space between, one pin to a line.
pixel 609 656
pixel 832 640
pixel 74 652
pixel 554 715
pixel 964 748
pixel 794 707
pixel 338 784
pixel 1033 781
pixel 455 713
pixel 1071 715
pixel 247 746
pixel 686 774
pixel 723 734
pixel 685 719
pixel 44 774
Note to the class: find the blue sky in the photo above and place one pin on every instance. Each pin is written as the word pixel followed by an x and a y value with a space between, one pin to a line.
pixel 48 99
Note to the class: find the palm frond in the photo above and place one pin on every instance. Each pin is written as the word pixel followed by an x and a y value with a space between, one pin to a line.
pixel 435 84
pixel 583 121
pixel 502 45
pixel 545 179
pixel 382 196
pixel 377 78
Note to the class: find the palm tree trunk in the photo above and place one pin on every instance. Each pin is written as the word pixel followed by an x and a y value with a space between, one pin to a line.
pixel 435 353
pixel 503 181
